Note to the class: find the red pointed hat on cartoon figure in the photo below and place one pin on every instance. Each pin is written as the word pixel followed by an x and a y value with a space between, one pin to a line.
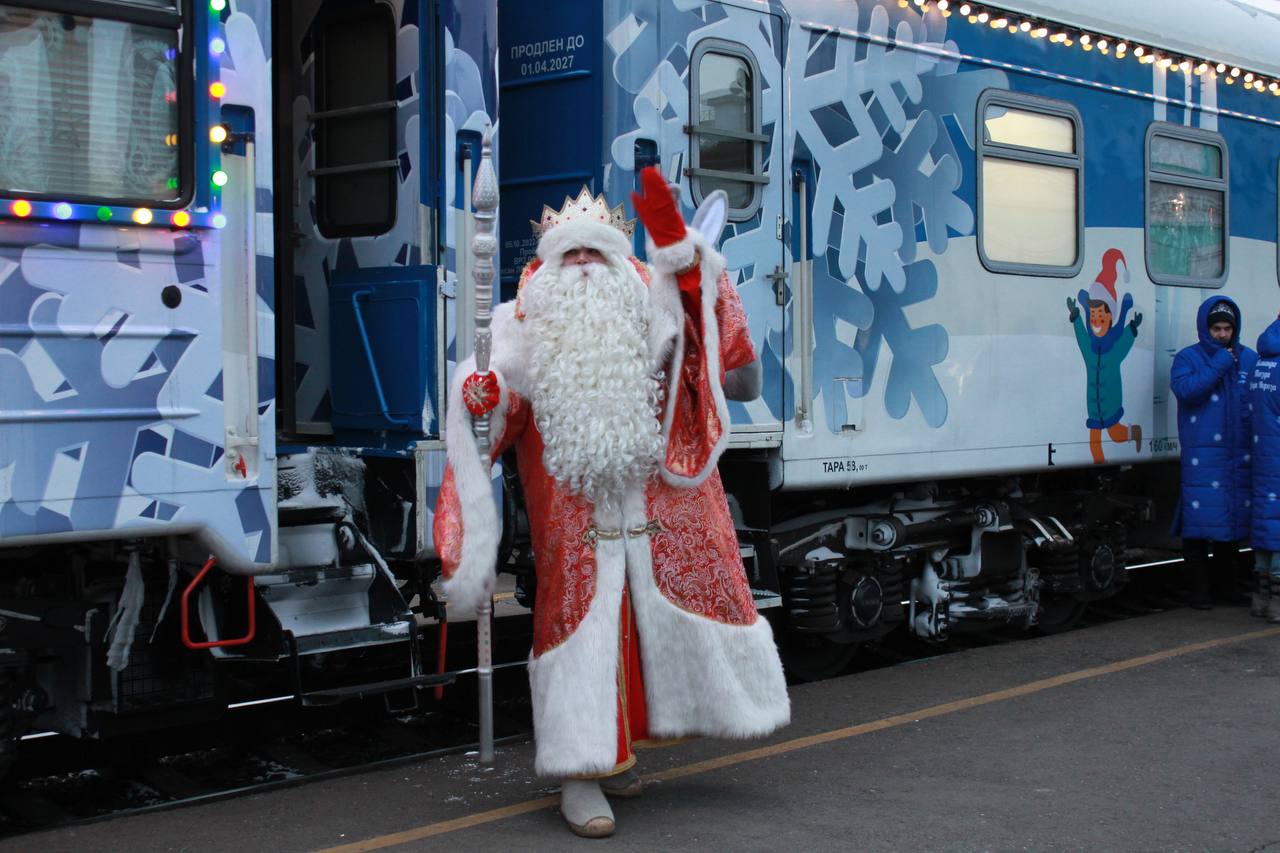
pixel 1103 288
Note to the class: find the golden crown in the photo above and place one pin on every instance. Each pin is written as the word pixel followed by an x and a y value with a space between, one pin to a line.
pixel 585 206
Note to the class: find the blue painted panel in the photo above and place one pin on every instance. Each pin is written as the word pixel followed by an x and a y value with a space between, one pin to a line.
pixel 550 67
pixel 382 337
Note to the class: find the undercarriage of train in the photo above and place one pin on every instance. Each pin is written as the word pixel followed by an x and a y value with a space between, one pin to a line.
pixel 98 639
pixel 939 559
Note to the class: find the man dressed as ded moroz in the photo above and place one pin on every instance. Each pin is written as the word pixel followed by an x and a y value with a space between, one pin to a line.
pixel 609 378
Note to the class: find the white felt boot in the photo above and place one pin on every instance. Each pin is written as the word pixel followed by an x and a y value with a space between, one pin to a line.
pixel 585 809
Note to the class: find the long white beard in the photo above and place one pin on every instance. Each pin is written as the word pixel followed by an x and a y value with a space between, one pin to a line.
pixel 595 401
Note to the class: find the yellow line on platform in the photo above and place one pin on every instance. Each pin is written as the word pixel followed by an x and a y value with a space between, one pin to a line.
pixel 480 818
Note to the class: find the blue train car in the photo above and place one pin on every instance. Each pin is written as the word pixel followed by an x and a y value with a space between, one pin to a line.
pixel 234 282
pixel 226 249
pixel 918 189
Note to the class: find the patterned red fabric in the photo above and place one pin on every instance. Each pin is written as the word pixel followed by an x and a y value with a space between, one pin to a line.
pixel 446 527
pixel 695 425
pixel 566 565
pixel 736 349
pixel 697 565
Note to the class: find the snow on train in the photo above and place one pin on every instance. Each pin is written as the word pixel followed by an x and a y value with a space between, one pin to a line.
pixel 233 284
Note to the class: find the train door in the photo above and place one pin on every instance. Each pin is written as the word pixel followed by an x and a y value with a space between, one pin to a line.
pixel 735 145
pixel 357 172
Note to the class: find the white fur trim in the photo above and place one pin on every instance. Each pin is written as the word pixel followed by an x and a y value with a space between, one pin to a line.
pixel 574 686
pixel 583 233
pixel 666 318
pixel 711 266
pixel 701 677
pixel 677 256
pixel 481 528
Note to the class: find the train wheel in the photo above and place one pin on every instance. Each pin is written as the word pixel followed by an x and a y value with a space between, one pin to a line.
pixel 813 657
pixel 1059 613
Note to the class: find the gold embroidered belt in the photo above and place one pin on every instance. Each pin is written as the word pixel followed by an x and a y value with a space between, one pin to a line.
pixel 595 534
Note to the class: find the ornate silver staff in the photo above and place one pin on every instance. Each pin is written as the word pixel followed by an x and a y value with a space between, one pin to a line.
pixel 484 245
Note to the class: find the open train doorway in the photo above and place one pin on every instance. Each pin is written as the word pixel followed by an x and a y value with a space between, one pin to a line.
pixel 357 132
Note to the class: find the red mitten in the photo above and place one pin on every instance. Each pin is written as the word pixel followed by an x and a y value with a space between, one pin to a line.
pixel 657 209
pixel 480 393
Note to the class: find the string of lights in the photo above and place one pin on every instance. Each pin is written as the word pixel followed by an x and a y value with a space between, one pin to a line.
pixel 200 216
pixel 1106 45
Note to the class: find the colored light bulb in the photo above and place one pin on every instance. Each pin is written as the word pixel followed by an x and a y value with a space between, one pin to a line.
pixel 20 208
pixel 142 216
pixel 219 178
pixel 217 89
pixel 218 134
pixel 219 221
pixel 217 5
pixel 104 214
pixel 62 210
pixel 180 218
pixel 217 46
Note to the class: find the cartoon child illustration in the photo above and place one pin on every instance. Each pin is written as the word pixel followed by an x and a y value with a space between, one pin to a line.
pixel 1104 344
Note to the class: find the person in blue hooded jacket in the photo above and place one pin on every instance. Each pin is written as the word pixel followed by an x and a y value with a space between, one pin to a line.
pixel 1264 394
pixel 1211 381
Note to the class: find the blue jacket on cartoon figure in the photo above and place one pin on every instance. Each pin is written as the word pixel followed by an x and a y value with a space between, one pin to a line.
pixel 1102 359
pixel 1212 387
pixel 1264 395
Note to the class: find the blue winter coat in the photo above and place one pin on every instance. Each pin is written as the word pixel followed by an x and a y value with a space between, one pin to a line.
pixel 1212 387
pixel 1264 394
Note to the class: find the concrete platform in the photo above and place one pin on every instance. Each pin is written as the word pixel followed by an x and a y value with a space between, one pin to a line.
pixel 1155 733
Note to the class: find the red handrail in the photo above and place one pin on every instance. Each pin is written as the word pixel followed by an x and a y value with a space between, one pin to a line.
pixel 441 650
pixel 186 616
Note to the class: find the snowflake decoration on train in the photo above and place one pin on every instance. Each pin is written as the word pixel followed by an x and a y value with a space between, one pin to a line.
pixel 885 173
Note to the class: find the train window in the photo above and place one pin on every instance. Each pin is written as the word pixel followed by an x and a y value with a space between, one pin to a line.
pixel 725 126
pixel 1030 185
pixel 356 169
pixel 89 103
pixel 1187 191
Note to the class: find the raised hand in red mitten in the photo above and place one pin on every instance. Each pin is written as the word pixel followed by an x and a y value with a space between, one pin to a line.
pixel 660 214
pixel 657 209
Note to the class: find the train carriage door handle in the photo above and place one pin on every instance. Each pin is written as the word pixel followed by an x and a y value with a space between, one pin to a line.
pixel 779 279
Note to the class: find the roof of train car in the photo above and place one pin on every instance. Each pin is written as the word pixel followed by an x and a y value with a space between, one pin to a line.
pixel 1237 32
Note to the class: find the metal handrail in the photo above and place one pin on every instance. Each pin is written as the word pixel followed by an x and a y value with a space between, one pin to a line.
pixel 185 609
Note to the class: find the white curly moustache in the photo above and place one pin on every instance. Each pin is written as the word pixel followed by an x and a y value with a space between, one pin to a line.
pixel 594 399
